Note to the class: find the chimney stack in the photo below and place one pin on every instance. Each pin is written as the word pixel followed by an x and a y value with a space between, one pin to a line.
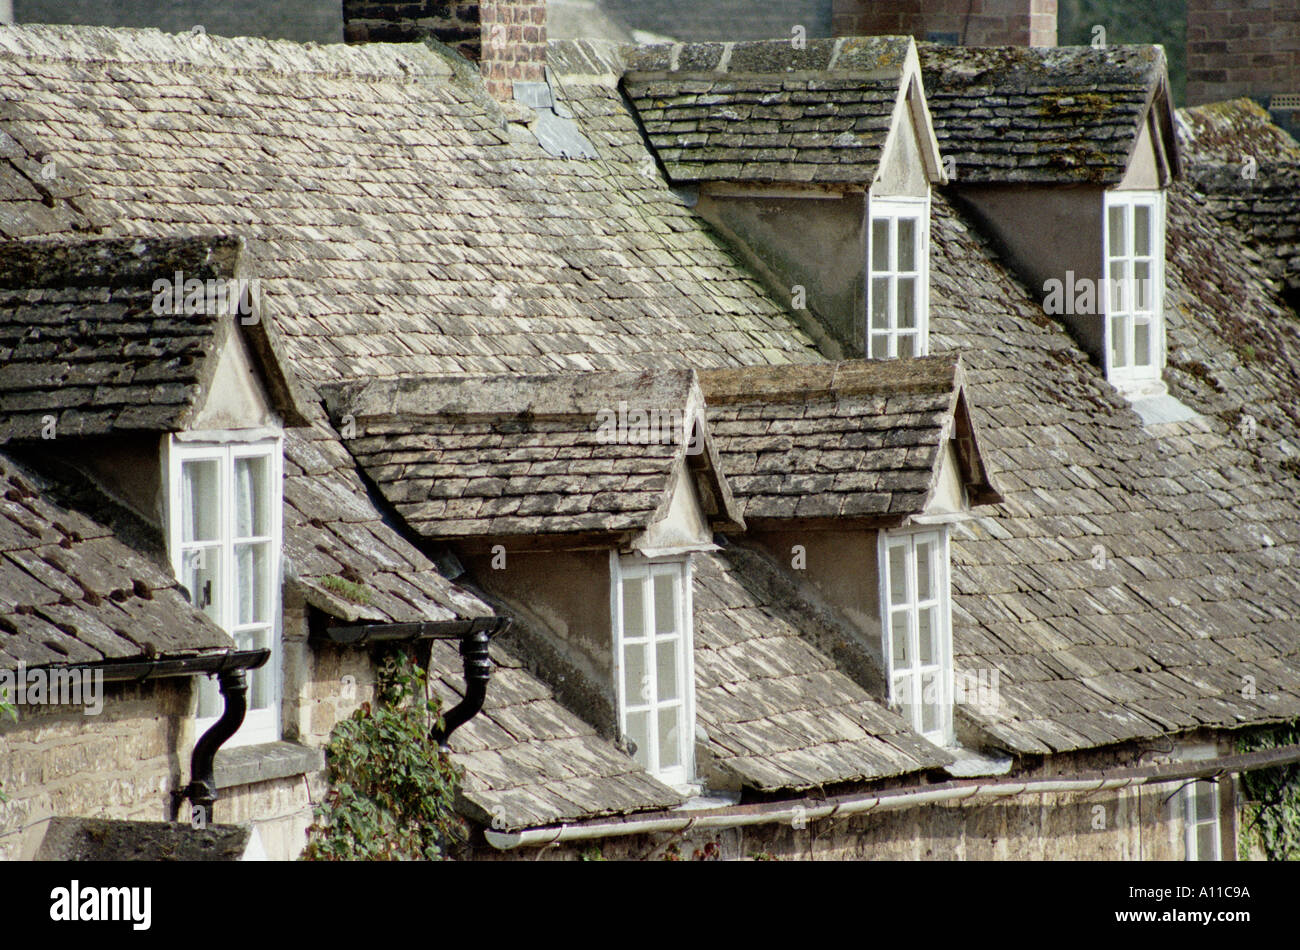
pixel 507 38
pixel 956 22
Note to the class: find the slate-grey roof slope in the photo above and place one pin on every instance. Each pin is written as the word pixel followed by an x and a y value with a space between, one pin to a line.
pixel 856 439
pixel 767 112
pixel 83 344
pixel 778 713
pixel 398 226
pixel 332 531
pixel 1193 587
pixel 1058 115
pixel 529 761
pixel 1249 170
pixel 71 592
pixel 37 197
pixel 496 456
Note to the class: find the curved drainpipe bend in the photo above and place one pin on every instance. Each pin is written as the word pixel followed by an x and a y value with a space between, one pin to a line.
pixel 202 789
pixel 478 669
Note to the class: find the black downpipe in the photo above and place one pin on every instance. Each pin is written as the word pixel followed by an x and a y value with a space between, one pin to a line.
pixel 202 790
pixel 478 669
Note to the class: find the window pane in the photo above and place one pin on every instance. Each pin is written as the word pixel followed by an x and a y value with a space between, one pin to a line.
pixel 927 621
pixel 898 627
pixel 259 680
pixel 210 704
pixel 1142 288
pixel 633 607
pixel 906 244
pixel 880 244
pixel 1141 343
pixel 1207 843
pixel 636 679
pixel 879 347
pixel 924 569
pixel 1119 292
pixel 638 734
pixel 252 576
pixel 665 604
pixel 906 309
pixel 903 693
pixel 670 735
pixel 880 303
pixel 1206 794
pixel 1118 239
pixel 666 669
pixel 897 574
pixel 252 482
pixel 200 500
pixel 907 345
pixel 1117 347
pixel 1142 230
pixel 201 576
pixel 931 700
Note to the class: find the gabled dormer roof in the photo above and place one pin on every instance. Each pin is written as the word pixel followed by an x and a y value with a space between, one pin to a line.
pixel 88 340
pixel 861 440
pixel 766 112
pixel 1057 115
pixel 564 459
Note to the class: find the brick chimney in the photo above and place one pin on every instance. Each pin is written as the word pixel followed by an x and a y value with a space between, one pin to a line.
pixel 1245 50
pixel 958 22
pixel 507 38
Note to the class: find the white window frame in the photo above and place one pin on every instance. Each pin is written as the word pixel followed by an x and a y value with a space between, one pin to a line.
pixel 1193 822
pixel 891 210
pixel 628 566
pixel 1130 373
pixel 260 725
pixel 942 600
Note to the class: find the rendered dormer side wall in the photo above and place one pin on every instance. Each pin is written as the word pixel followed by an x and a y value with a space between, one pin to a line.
pixel 815 243
pixel 1047 233
pixel 902 168
pixel 561 599
pixel 235 399
pixel 1144 168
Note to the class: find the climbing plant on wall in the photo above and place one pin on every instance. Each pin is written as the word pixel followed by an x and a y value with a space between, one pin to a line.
pixel 6 709
pixel 392 793
pixel 1271 817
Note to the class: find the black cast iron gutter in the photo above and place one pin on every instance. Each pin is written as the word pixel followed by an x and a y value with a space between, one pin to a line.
pixel 474 635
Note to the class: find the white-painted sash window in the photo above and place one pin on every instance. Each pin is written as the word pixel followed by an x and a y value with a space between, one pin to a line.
pixel 1135 281
pixel 1201 821
pixel 224 514
pixel 917 625
pixel 898 294
pixel 653 664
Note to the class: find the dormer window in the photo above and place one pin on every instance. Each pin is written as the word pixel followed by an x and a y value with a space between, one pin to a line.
pixel 917 625
pixel 898 297
pixel 1134 254
pixel 224 519
pixel 654 668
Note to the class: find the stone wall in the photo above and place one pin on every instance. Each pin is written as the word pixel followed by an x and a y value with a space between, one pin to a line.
pixel 963 22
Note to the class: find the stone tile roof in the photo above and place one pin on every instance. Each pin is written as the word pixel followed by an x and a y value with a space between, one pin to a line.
pixel 82 344
pixel 778 713
pixel 497 456
pixel 72 592
pixel 1057 115
pixel 857 439
pixel 1262 200
pixel 508 260
pixel 1133 578
pixel 529 761
pixel 37 197
pixel 332 532
pixel 767 112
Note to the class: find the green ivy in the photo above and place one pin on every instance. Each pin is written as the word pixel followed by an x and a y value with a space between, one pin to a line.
pixel 1272 816
pixel 392 793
